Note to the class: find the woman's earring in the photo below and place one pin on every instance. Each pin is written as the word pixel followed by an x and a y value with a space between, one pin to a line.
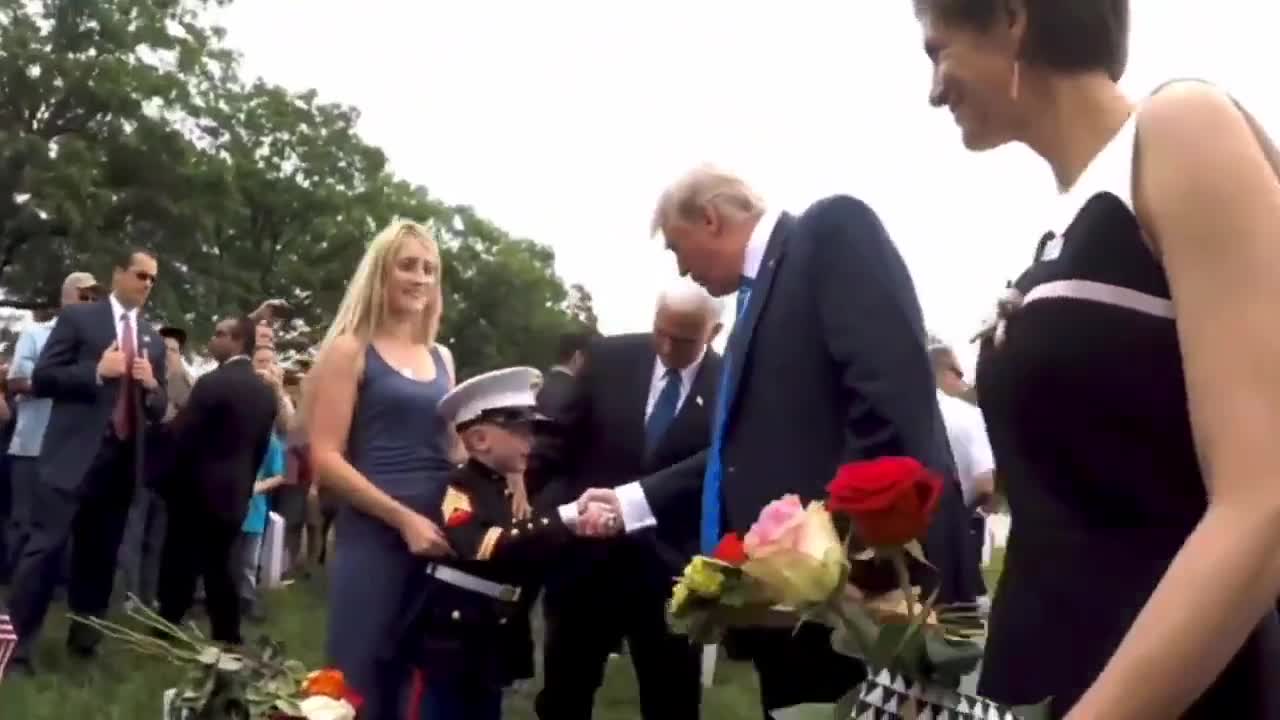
pixel 1016 81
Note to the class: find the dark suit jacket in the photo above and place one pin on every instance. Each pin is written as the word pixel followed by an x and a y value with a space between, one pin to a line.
pixel 830 366
pixel 556 391
pixel 67 372
pixel 557 387
pixel 602 427
pixel 222 436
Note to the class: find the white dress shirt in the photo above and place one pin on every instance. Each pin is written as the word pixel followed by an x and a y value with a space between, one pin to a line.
pixel 759 243
pixel 970 448
pixel 659 381
pixel 118 313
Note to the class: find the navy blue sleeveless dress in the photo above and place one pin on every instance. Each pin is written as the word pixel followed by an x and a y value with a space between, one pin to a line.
pixel 1086 407
pixel 400 444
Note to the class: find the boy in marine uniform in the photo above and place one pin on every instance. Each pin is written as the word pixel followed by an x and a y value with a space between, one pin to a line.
pixel 466 626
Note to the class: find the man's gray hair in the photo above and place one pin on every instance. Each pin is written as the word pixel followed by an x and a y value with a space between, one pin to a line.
pixel 701 187
pixel 685 295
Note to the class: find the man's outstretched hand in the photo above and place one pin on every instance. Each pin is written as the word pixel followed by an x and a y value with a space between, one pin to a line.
pixel 599 514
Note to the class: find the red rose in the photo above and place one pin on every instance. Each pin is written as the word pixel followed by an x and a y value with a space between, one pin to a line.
pixel 730 550
pixel 890 499
pixel 353 698
pixel 458 518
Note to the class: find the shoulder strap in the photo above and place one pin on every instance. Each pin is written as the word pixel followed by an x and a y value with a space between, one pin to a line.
pixel 443 370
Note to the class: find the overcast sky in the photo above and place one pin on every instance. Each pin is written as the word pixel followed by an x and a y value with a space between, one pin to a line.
pixel 561 121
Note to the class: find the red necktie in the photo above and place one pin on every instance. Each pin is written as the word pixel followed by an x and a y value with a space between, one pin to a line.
pixel 122 416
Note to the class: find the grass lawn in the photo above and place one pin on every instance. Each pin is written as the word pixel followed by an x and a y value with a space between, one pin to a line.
pixel 122 686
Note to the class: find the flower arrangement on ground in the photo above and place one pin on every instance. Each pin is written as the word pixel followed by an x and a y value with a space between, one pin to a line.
pixel 252 683
pixel 853 563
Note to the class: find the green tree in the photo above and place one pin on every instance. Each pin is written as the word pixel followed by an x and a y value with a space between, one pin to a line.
pixel 504 304
pixel 302 193
pixel 581 307
pixel 92 152
pixel 126 122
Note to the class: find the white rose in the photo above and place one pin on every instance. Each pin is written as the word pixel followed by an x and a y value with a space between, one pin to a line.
pixel 320 707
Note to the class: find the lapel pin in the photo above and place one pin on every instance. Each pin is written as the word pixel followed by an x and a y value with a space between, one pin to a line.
pixel 698 399
pixel 1051 246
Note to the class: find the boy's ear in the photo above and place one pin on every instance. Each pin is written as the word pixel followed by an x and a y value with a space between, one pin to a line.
pixel 474 436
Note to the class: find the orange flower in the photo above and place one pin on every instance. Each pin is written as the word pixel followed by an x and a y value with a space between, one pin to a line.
pixel 329 683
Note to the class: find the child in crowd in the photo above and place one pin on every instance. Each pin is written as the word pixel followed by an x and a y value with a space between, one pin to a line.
pixel 462 628
pixel 270 477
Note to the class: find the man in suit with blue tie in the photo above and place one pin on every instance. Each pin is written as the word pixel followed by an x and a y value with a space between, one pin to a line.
pixel 826 364
pixel 104 367
pixel 640 402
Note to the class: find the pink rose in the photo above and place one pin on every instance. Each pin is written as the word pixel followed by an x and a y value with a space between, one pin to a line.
pixel 776 528
pixel 795 552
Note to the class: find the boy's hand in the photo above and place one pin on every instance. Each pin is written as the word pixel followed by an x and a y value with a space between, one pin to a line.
pixel 423 537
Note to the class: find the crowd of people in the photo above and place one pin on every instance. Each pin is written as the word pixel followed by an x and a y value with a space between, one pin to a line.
pixel 121 463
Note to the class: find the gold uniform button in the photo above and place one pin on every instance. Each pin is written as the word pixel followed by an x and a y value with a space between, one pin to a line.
pixel 456 615
pixel 515 532
pixel 546 521
pixel 502 621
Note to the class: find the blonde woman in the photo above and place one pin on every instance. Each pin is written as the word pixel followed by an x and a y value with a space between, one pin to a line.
pixel 379 447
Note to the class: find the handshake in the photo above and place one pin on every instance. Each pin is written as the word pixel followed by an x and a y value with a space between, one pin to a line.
pixel 599 514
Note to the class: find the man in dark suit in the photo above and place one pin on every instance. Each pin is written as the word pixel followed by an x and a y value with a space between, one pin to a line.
pixel 553 397
pixel 641 402
pixel 104 368
pixel 557 384
pixel 222 436
pixel 826 365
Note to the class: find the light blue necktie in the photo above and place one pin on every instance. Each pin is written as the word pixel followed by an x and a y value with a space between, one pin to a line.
pixel 664 410
pixel 710 536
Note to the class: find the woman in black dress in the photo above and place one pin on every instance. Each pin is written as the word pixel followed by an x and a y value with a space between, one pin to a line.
pixel 1132 393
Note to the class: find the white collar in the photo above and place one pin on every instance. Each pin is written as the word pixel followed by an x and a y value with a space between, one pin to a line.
pixel 759 243
pixel 686 375
pixel 118 310
pixel 234 358
pixel 562 368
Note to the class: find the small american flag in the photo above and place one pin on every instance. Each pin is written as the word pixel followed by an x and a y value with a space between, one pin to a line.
pixel 8 641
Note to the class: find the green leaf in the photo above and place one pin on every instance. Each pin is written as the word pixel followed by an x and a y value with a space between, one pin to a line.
pixel 855 630
pixel 847 702
pixel 951 659
pixel 901 647
pixel 808 711
pixel 914 549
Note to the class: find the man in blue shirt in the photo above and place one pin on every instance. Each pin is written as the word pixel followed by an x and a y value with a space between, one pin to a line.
pixel 33 412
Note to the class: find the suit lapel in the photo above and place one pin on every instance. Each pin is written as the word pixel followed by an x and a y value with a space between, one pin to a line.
pixel 739 346
pixel 636 396
pixel 108 324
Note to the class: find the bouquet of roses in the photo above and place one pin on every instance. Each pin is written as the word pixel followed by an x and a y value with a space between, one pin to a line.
pixel 258 683
pixel 794 565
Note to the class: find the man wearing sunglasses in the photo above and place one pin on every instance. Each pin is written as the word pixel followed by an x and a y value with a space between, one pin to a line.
pixel 104 369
